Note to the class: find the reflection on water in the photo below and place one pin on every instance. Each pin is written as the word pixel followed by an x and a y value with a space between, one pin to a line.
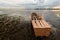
pixel 58 15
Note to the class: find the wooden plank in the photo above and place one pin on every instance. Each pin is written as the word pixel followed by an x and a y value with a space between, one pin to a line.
pixel 34 24
pixel 46 24
pixel 38 24
pixel 42 31
pixel 42 24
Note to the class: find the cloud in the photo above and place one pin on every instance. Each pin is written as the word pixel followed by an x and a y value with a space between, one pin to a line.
pixel 57 6
pixel 51 3
pixel 29 3
pixel 14 2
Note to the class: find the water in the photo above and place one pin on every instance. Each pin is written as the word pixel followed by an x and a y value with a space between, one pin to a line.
pixel 50 16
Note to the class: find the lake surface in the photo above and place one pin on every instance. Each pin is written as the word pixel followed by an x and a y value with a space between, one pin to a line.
pixel 49 15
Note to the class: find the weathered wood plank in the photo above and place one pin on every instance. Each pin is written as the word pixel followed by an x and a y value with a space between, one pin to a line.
pixel 46 24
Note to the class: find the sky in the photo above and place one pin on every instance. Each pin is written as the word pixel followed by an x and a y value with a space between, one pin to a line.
pixel 29 3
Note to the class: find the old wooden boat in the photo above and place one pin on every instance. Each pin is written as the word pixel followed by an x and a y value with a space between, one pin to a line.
pixel 40 26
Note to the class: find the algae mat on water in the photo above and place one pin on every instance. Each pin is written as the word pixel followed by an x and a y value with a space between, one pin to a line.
pixel 15 28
